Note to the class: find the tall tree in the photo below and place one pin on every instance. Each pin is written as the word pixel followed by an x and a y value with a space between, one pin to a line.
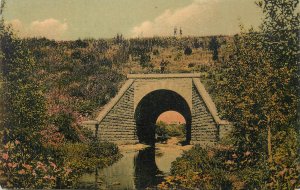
pixel 214 46
pixel 23 118
pixel 261 75
pixel 24 105
pixel 260 87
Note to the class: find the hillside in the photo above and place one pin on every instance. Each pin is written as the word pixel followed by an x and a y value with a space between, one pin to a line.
pixel 79 77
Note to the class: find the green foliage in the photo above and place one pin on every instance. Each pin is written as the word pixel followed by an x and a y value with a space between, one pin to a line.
pixel 155 52
pixel 145 60
pixel 108 152
pixel 22 169
pixel 80 44
pixel 87 157
pixel 198 44
pixel 260 96
pixel 197 168
pixel 161 132
pixel 260 91
pixel 25 162
pixel 34 154
pixel 165 131
pixel 64 122
pixel 24 106
pixel 257 90
pixel 188 51
pixel 214 46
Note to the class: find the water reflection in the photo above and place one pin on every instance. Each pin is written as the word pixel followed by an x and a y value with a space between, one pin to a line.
pixel 135 170
pixel 147 173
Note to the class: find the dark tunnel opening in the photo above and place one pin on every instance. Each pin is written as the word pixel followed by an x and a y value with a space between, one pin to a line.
pixel 154 104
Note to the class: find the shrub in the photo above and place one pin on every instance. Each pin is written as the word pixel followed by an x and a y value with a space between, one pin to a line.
pixel 108 152
pixel 80 44
pixel 161 133
pixel 197 169
pixel 165 131
pixel 76 54
pixel 87 157
pixel 106 62
pixel 155 52
pixel 191 65
pixel 197 44
pixel 145 60
pixel 188 51
pixel 22 171
pixel 64 121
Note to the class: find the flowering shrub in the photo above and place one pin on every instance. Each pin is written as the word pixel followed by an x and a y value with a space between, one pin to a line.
pixel 22 170
pixel 52 137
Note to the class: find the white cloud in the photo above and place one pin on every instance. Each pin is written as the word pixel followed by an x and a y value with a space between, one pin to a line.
pixel 49 28
pixel 16 24
pixel 202 17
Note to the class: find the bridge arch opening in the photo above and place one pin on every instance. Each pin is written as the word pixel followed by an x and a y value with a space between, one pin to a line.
pixel 152 106
pixel 171 117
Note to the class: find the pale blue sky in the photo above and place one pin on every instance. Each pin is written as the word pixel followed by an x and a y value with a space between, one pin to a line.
pixel 72 19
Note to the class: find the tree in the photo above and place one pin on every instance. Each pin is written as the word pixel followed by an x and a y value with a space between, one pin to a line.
pixel 145 60
pixel 24 105
pixel 24 161
pixel 260 92
pixel 214 46
pixel 245 90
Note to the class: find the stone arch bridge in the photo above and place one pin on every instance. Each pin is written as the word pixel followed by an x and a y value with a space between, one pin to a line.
pixel 131 115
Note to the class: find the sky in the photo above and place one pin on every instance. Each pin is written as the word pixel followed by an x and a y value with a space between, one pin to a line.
pixel 170 117
pixel 73 19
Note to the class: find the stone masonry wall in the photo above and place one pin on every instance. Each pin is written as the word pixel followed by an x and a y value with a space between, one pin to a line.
pixel 204 129
pixel 182 86
pixel 119 124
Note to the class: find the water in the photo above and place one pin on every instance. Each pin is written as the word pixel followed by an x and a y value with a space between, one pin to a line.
pixel 135 170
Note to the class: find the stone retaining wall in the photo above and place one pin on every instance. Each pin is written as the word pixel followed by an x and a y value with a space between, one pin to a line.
pixel 119 124
pixel 204 128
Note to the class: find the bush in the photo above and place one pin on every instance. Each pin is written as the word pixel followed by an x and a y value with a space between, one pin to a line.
pixel 155 52
pixel 108 152
pixel 188 51
pixel 191 65
pixel 87 157
pixel 161 133
pixel 165 131
pixel 76 54
pixel 21 171
pixel 145 60
pixel 197 169
pixel 64 121
pixel 80 44
pixel 106 62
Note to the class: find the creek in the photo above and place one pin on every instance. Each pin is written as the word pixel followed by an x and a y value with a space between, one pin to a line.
pixel 137 169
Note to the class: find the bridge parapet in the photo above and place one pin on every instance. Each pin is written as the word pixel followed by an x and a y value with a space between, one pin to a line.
pixel 163 76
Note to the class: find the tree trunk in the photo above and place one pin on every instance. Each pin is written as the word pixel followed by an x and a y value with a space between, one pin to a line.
pixel 270 159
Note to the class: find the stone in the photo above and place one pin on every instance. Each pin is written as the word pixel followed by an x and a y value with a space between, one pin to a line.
pixel 130 116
